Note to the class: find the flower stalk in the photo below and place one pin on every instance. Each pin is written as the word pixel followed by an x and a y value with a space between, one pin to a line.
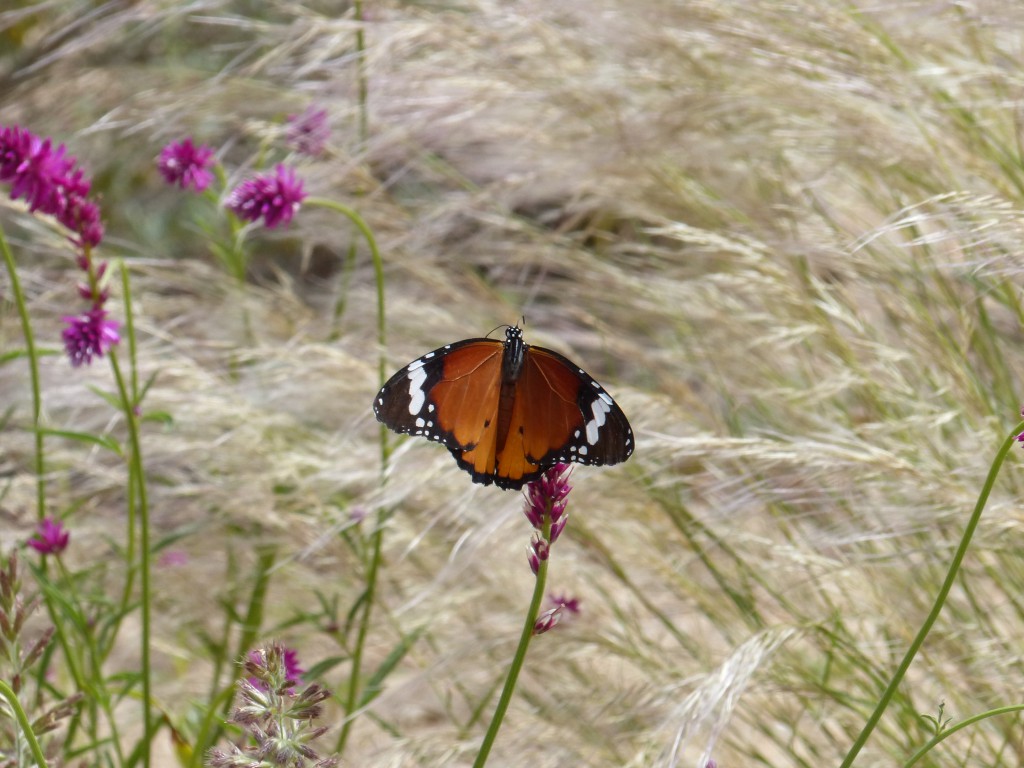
pixel 545 509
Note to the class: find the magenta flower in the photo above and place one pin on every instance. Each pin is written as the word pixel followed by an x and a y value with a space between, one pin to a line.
pixel 171 558
pixel 571 604
pixel 49 181
pixel 275 199
pixel 308 133
pixel 50 537
pixel 89 334
pixel 293 672
pixel 185 164
pixel 276 666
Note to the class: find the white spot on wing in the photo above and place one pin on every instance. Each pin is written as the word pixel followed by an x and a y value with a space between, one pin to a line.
pixel 599 408
pixel 417 397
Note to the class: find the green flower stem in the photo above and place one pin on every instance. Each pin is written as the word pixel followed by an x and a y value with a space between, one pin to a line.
pixel 127 591
pixel 940 599
pixel 26 727
pixel 378 272
pixel 33 369
pixel 37 400
pixel 520 657
pixel 941 736
pixel 142 509
pixel 361 70
pixel 93 658
pixel 352 695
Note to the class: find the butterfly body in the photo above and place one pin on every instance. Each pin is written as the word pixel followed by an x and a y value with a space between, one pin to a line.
pixel 506 410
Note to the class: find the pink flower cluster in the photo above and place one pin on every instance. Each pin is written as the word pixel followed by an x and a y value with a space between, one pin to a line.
pixel 48 179
pixel 274 198
pixel 50 538
pixel 185 164
pixel 546 498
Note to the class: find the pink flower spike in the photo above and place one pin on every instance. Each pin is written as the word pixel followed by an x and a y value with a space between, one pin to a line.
pixel 89 334
pixel 547 494
pixel 185 164
pixel 48 180
pixel 275 199
pixel 50 537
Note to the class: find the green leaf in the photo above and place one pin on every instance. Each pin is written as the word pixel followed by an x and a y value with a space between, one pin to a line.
pixel 103 441
pixel 160 417
pixel 14 354
pixel 321 668
pixel 376 682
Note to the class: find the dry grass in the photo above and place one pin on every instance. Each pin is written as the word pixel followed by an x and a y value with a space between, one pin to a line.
pixel 786 237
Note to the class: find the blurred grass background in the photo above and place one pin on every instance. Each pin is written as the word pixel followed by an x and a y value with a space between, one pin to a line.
pixel 786 237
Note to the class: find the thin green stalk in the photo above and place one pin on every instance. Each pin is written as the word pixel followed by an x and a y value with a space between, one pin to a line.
pixel 136 472
pixel 361 71
pixel 352 695
pixel 519 658
pixel 378 273
pixel 26 727
pixel 99 695
pixel 133 494
pixel 254 611
pixel 941 736
pixel 37 400
pixel 33 369
pixel 940 599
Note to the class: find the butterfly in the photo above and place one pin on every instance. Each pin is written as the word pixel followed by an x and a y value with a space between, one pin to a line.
pixel 505 409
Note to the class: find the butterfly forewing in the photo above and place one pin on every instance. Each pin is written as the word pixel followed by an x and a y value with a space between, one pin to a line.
pixel 457 375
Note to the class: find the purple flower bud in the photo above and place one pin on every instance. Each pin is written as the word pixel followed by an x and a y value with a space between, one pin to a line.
pixel 540 547
pixel 547 620
pixel 308 133
pixel 571 604
pixel 556 528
